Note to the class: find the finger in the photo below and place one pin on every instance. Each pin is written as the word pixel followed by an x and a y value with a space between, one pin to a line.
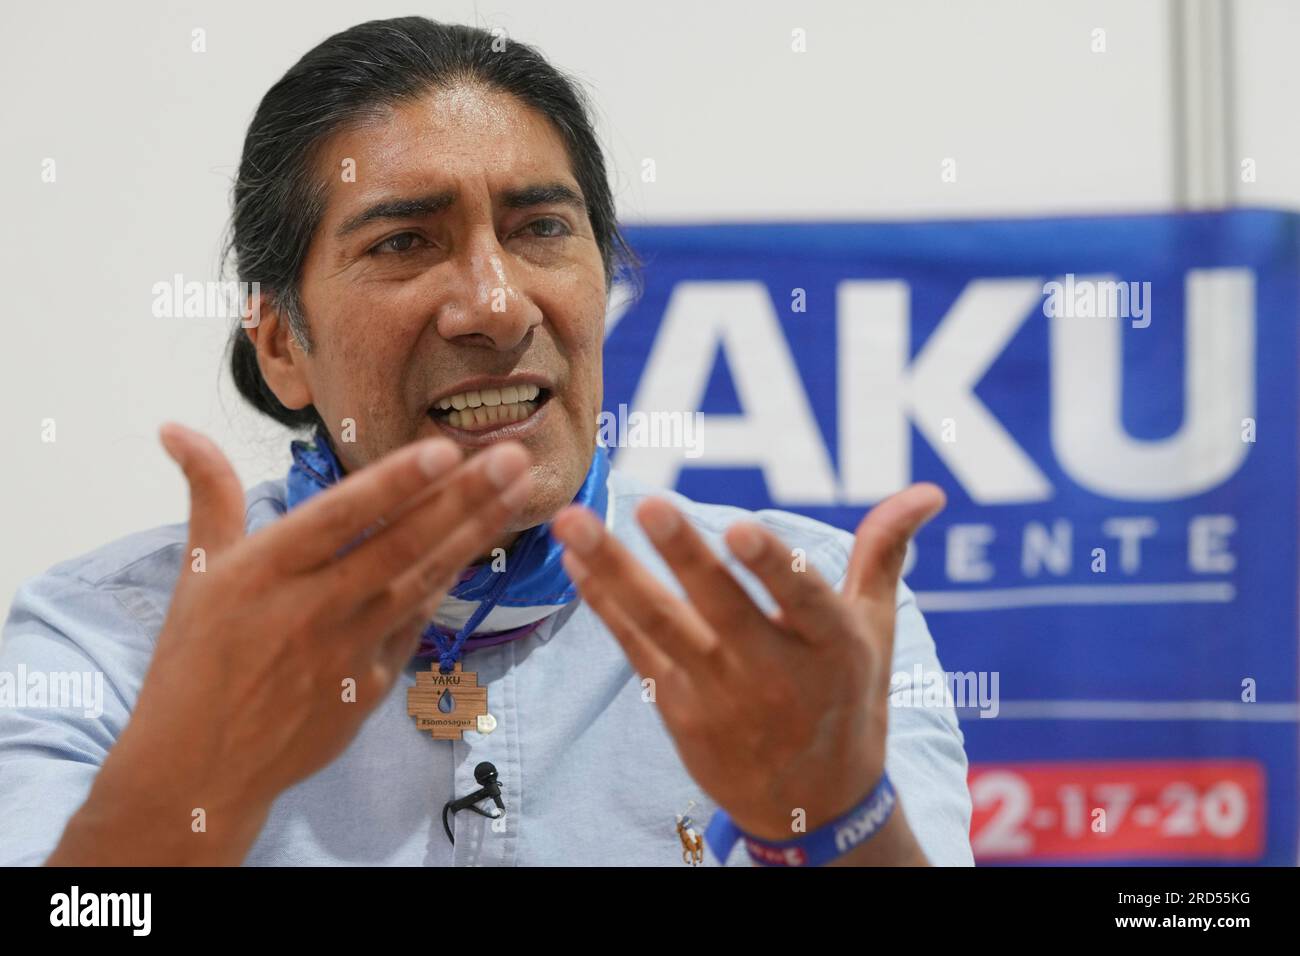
pixel 881 545
pixel 313 534
pixel 616 578
pixel 216 495
pixel 809 606
pixel 714 591
pixel 419 556
pixel 646 658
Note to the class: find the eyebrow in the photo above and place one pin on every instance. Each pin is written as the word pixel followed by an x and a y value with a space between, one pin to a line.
pixel 542 194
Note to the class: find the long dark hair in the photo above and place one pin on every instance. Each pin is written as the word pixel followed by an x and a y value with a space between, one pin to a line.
pixel 278 202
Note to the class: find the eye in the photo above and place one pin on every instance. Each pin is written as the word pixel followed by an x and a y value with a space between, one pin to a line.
pixel 555 228
pixel 400 243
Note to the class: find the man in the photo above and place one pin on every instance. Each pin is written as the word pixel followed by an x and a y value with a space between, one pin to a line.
pixel 429 221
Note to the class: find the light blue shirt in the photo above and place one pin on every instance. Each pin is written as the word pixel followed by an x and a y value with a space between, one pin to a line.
pixel 589 774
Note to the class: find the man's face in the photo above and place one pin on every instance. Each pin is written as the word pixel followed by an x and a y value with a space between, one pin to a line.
pixel 454 288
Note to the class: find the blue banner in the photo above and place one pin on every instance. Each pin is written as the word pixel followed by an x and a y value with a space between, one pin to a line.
pixel 1111 406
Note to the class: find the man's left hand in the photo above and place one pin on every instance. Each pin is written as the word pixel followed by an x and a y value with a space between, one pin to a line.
pixel 771 715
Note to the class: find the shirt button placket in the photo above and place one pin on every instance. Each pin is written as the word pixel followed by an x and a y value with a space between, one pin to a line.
pixel 480 841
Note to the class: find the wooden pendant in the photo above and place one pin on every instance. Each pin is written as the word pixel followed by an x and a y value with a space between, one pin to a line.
pixel 446 705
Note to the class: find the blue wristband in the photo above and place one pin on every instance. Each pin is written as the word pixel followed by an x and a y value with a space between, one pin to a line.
pixel 823 845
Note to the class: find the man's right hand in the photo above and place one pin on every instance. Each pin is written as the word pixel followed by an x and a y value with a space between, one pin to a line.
pixel 245 695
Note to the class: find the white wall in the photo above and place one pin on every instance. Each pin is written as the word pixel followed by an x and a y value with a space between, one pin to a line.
pixel 146 135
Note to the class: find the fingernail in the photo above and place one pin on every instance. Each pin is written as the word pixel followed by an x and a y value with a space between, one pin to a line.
pixel 745 543
pixel 502 467
pixel 435 458
pixel 582 534
pixel 659 522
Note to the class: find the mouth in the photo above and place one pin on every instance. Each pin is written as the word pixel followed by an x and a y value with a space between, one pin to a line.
pixel 510 408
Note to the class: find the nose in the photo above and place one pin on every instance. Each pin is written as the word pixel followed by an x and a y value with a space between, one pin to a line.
pixel 486 301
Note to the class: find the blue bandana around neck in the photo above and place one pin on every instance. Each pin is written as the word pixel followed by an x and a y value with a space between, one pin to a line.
pixel 533 584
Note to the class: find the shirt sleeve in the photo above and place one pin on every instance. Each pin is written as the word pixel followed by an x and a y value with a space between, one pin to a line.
pixel 926 754
pixel 70 659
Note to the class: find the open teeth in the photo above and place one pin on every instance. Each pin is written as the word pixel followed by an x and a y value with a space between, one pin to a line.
pixel 488 407
pixel 489 397
pixel 486 415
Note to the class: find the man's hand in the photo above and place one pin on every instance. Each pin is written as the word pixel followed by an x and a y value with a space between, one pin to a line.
pixel 245 693
pixel 771 715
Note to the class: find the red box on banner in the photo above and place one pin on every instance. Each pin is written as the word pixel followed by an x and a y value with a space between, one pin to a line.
pixel 1191 809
